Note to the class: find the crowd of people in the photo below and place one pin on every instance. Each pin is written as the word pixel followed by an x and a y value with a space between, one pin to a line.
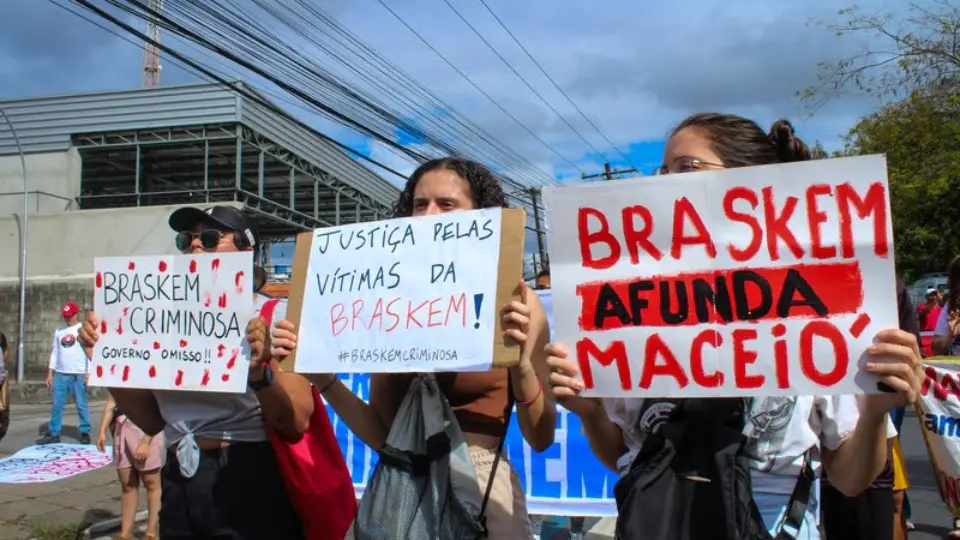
pixel 802 467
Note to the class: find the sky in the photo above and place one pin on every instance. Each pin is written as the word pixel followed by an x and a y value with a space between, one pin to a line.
pixel 635 69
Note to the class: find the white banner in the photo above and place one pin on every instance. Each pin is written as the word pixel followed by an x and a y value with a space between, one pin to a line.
pixel 939 413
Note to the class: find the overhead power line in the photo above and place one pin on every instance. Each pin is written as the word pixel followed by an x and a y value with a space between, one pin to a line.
pixel 375 96
pixel 477 87
pixel 523 80
pixel 209 73
pixel 555 85
pixel 217 26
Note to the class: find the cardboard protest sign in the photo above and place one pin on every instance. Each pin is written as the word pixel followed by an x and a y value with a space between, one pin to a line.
pixel 757 281
pixel 175 322
pixel 407 295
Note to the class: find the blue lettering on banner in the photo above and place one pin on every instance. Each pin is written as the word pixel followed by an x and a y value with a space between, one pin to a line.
pixel 943 425
pixel 565 479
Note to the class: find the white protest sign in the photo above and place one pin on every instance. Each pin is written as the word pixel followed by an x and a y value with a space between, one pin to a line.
pixel 414 294
pixel 175 322
pixel 756 281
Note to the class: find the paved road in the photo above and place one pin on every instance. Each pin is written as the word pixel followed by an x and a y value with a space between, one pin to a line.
pixel 929 514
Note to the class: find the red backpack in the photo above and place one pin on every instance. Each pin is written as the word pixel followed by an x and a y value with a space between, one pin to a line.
pixel 314 471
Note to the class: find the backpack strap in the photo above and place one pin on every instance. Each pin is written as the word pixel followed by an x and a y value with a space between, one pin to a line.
pixel 482 518
pixel 797 505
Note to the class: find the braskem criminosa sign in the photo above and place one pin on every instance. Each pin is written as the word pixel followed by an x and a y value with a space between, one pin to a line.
pixel 565 479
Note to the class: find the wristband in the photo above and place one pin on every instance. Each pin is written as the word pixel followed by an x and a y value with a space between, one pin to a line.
pixel 536 396
pixel 328 385
pixel 267 380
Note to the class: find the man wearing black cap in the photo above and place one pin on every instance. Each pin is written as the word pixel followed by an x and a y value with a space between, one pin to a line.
pixel 221 478
pixel 205 230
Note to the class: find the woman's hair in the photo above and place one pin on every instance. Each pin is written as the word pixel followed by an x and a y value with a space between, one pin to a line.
pixel 485 189
pixel 742 143
pixel 953 284
pixel 259 278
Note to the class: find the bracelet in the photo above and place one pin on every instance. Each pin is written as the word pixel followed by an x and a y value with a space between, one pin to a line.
pixel 328 385
pixel 536 396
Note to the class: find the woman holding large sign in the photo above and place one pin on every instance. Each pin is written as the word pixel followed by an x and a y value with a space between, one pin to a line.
pixel 479 400
pixel 789 439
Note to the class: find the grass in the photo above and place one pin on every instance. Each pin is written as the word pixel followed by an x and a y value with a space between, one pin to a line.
pixel 42 530
pixel 48 531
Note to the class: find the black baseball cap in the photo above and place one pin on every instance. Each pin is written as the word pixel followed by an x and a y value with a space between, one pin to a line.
pixel 223 218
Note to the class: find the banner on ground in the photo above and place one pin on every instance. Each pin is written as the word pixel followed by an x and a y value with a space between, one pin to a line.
pixel 938 410
pixel 754 281
pixel 52 462
pixel 414 294
pixel 564 480
pixel 174 322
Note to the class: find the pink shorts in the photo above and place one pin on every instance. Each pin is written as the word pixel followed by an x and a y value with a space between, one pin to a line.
pixel 126 439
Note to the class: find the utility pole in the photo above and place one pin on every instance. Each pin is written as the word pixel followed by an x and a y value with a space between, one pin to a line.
pixel 608 173
pixel 535 203
pixel 151 54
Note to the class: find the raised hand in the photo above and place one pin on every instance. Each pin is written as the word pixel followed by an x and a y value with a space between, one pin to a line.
pixel 895 359
pixel 565 386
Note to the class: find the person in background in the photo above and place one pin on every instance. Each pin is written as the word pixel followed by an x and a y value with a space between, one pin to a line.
pixel 138 459
pixel 221 478
pixel 4 386
pixel 928 313
pixel 543 279
pixel 67 375
pixel 946 335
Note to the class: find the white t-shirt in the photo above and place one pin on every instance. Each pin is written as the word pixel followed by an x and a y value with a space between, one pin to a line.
pixel 228 417
pixel 67 354
pixel 782 430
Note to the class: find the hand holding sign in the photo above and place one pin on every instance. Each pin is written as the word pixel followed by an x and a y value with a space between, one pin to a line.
pixel 259 340
pixel 89 334
pixel 283 338
pixel 565 385
pixel 895 359
pixel 516 317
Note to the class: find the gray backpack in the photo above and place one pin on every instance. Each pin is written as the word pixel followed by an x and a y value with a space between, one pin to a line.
pixel 424 486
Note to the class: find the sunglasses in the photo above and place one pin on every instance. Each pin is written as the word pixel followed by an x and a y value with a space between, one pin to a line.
pixel 209 239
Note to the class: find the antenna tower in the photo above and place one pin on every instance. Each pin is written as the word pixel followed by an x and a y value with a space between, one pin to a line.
pixel 151 54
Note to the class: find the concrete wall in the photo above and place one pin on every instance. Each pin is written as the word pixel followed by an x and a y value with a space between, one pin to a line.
pixel 60 253
pixel 53 181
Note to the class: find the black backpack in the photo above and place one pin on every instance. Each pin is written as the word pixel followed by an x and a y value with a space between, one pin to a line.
pixel 691 480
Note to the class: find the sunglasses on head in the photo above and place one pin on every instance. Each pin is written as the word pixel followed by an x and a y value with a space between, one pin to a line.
pixel 209 239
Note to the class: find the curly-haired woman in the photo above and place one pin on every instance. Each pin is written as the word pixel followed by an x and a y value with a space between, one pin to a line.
pixel 479 399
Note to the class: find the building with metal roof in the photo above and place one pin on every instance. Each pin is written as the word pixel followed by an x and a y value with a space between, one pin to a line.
pixel 198 144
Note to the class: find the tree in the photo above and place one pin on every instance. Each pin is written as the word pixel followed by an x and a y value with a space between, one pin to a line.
pixel 817 151
pixel 919 51
pixel 920 136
